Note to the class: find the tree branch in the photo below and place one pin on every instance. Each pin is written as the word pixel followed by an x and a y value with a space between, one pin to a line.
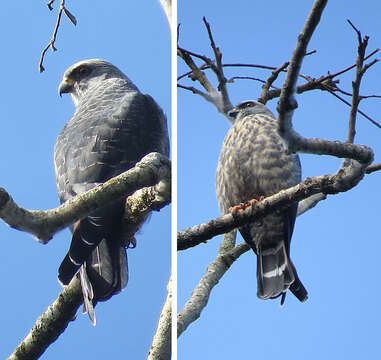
pixel 342 181
pixel 161 343
pixel 43 224
pixel 287 102
pixel 51 44
pixel 218 97
pixel 200 295
pixel 265 88
pixel 372 168
pixel 219 71
pixel 55 320
pixel 51 324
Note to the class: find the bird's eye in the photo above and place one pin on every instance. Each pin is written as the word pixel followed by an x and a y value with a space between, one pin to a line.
pixel 247 104
pixel 83 71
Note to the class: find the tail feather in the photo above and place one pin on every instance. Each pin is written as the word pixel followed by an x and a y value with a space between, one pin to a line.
pixel 297 288
pixel 104 274
pixel 85 239
pixel 107 269
pixel 88 295
pixel 274 271
pixel 97 251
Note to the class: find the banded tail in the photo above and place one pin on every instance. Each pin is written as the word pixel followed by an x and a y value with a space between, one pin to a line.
pixel 276 274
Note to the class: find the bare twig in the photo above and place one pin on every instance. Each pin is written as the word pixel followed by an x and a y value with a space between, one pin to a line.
pixel 51 44
pixel 374 122
pixel 152 169
pixel 324 83
pixel 231 80
pixel 196 72
pixel 51 324
pixel 267 67
pixel 219 71
pixel 265 88
pixel 220 96
pixel 363 43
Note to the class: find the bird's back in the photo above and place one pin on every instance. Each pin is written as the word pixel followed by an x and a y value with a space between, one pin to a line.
pixel 105 138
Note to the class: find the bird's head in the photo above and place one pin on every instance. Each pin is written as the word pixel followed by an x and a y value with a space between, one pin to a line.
pixel 249 107
pixel 79 77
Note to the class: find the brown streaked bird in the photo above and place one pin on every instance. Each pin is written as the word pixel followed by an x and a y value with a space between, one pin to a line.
pixel 113 127
pixel 253 164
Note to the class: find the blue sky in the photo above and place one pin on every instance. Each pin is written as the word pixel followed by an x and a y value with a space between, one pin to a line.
pixel 32 114
pixel 335 246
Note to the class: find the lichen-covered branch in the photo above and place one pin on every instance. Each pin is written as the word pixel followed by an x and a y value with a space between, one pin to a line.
pixel 55 320
pixel 153 169
pixel 200 295
pixel 161 343
pixel 51 323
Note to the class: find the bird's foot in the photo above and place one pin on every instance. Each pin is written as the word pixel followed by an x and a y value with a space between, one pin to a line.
pixel 244 205
pixel 131 243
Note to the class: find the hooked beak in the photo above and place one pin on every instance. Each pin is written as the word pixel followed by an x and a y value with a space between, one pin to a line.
pixel 233 112
pixel 66 86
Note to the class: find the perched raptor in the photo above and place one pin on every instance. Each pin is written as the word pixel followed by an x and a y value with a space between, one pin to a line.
pixel 253 164
pixel 113 127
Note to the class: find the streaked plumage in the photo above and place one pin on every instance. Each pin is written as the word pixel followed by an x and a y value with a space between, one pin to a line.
pixel 113 127
pixel 253 163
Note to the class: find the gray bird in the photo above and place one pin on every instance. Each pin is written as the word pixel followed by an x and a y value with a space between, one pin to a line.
pixel 253 164
pixel 113 127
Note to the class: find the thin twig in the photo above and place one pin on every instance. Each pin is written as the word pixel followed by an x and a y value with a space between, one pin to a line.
pixel 219 71
pixel 231 80
pixel 374 122
pixel 52 41
pixel 274 75
pixel 362 44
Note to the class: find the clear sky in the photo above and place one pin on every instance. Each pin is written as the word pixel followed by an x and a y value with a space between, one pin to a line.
pixel 135 37
pixel 335 246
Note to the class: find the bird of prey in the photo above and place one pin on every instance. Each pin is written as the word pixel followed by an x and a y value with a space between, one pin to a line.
pixel 113 127
pixel 254 164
